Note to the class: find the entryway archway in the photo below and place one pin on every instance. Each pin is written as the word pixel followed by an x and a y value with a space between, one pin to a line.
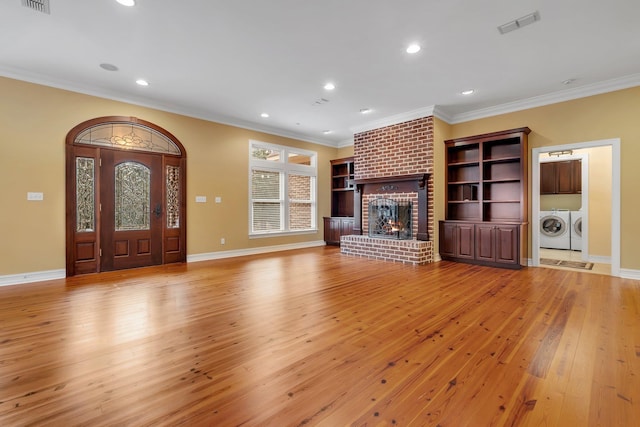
pixel 125 196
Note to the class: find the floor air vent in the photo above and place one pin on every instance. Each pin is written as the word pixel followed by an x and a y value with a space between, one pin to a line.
pixel 39 5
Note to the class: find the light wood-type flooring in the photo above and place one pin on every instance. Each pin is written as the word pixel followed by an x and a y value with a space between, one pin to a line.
pixel 312 337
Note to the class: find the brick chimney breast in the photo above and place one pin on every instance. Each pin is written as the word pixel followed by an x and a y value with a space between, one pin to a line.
pixel 394 151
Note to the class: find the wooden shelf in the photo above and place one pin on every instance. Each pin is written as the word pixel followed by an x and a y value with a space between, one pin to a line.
pixel 342 186
pixel 486 199
pixel 502 160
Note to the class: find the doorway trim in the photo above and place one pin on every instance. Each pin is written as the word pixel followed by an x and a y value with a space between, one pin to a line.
pixel 86 142
pixel 614 143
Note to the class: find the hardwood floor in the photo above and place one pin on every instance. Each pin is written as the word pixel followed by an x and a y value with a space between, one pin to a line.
pixel 313 337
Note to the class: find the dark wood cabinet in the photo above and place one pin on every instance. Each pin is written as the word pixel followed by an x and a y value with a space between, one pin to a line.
pixel 458 240
pixel 498 243
pixel 486 207
pixel 334 227
pixel 484 243
pixel 561 177
pixel 341 221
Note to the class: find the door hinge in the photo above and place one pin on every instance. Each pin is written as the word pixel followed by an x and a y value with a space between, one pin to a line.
pixel 100 205
pixel 100 162
pixel 100 251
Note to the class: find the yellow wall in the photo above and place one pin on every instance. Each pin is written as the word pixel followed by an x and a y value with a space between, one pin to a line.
pixel 599 200
pixel 345 152
pixel 549 202
pixel 35 120
pixel 441 132
pixel 599 117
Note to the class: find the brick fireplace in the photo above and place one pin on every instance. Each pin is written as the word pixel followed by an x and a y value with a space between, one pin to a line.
pixel 394 162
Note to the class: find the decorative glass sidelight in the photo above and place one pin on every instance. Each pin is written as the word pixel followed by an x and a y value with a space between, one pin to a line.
pixel 132 197
pixel 390 219
pixel 85 194
pixel 173 197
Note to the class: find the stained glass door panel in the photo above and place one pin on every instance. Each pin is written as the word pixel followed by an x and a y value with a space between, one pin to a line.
pixel 132 210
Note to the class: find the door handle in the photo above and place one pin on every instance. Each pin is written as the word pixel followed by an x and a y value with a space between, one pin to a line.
pixel 158 210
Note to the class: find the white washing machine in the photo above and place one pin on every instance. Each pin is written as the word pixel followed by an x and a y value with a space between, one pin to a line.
pixel 576 230
pixel 555 229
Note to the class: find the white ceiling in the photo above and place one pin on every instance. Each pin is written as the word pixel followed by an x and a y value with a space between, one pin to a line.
pixel 229 61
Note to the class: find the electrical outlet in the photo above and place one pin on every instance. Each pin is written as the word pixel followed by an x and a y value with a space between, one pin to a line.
pixel 218 199
pixel 222 241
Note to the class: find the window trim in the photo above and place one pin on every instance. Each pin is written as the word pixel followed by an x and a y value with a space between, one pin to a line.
pixel 284 168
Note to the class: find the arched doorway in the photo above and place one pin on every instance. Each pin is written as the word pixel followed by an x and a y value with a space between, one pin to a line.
pixel 125 196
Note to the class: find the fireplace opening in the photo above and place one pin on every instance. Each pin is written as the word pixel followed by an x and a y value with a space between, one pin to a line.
pixel 390 219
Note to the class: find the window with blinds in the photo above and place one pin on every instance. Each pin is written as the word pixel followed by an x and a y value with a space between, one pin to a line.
pixel 282 189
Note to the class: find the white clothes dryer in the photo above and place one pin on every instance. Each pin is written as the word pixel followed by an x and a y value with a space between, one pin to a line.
pixel 555 229
pixel 576 230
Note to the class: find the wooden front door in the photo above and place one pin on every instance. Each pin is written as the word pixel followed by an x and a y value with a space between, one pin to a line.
pixel 131 210
pixel 125 196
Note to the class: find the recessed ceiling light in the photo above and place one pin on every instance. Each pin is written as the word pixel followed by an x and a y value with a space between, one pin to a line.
pixel 467 92
pixel 264 115
pixel 326 132
pixel 365 110
pixel 142 82
pixel 329 86
pixel 108 67
pixel 413 48
pixel 568 81
pixel 127 2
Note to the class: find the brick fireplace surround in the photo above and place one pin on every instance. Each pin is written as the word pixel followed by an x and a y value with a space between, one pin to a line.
pixel 398 160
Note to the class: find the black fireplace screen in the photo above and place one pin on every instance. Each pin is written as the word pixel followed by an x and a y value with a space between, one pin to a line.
pixel 390 219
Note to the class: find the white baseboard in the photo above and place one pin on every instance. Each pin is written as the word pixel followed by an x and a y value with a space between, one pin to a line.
pixel 253 251
pixel 37 276
pixel 627 273
pixel 600 259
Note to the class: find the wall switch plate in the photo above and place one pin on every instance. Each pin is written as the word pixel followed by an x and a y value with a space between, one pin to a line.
pixel 201 199
pixel 218 199
pixel 222 241
pixel 35 196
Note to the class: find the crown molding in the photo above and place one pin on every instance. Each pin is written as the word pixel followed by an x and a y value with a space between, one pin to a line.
pixel 551 98
pixel 345 143
pixel 395 119
pixel 433 110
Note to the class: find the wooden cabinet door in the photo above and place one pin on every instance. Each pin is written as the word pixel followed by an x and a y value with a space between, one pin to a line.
pixel 346 226
pixel 485 242
pixel 332 230
pixel 447 239
pixel 465 241
pixel 506 244
pixel 577 176
pixel 548 178
pixel 564 177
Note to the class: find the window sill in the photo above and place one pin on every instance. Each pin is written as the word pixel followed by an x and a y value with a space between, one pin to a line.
pixel 281 233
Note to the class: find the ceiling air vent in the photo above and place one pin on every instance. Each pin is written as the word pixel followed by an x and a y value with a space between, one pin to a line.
pixel 39 5
pixel 519 23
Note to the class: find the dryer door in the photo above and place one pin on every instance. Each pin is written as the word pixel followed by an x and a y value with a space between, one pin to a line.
pixel 577 227
pixel 552 226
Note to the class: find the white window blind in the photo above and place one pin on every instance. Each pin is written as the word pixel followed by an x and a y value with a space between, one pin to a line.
pixel 282 189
